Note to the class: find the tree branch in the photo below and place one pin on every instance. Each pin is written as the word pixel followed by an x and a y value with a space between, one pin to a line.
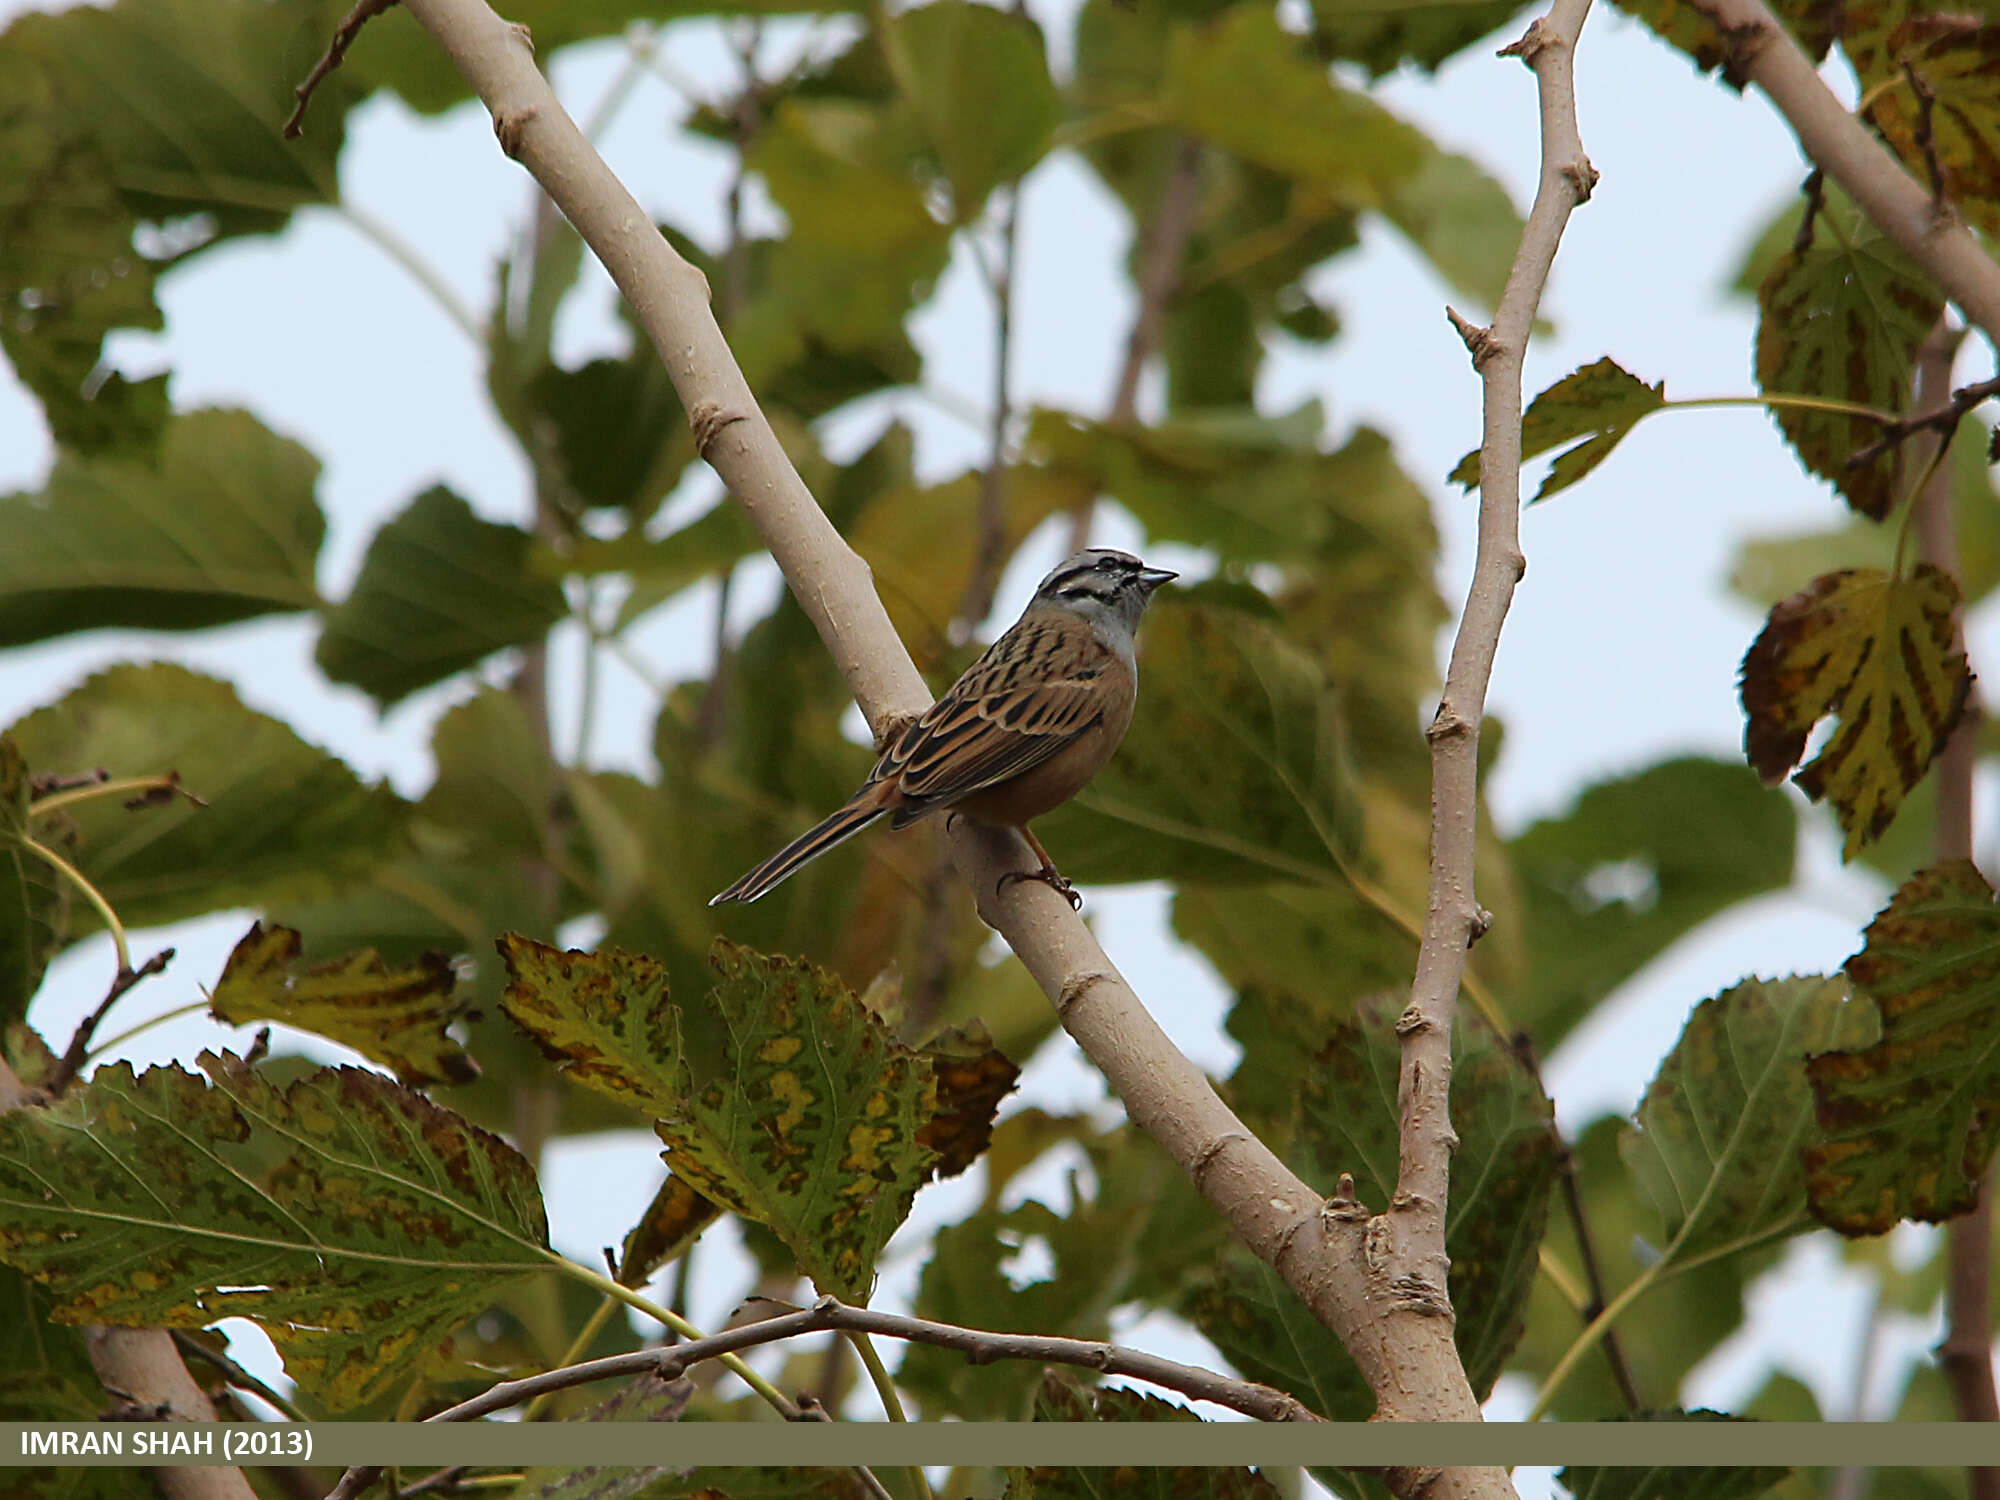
pixel 1163 242
pixel 1415 1374
pixel 1765 54
pixel 73 1058
pixel 979 1346
pixel 1415 1266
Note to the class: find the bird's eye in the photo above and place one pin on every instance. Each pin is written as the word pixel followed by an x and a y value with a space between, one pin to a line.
pixel 1106 564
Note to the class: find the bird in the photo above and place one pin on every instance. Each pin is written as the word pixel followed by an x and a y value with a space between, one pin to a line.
pixel 1020 732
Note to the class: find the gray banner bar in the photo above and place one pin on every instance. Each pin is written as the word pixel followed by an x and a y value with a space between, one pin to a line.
pixel 1627 1444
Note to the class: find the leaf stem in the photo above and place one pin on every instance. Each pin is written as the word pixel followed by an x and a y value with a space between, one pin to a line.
pixel 625 1294
pixel 593 1326
pixel 129 1032
pixel 90 893
pixel 892 1404
pixel 1598 1327
pixel 403 253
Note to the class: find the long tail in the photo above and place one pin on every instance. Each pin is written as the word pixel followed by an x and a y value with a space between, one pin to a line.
pixel 807 847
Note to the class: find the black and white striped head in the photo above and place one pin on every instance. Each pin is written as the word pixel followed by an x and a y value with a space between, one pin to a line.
pixel 1100 583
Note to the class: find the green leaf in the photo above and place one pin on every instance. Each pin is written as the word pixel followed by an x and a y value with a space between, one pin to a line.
pixel 396 52
pixel 921 542
pixel 495 786
pixel 1279 804
pixel 221 525
pixel 1242 83
pixel 1716 1143
pixel 841 171
pixel 144 110
pixel 1598 403
pixel 1501 1178
pixel 33 899
pixel 1635 865
pixel 809 1122
pixel 978 80
pixel 618 428
pixel 1907 1125
pixel 283 821
pixel 1459 217
pixel 647 1399
pixel 439 591
pixel 659 570
pixel 158 1201
pixel 1880 651
pixel 1674 1326
pixel 1382 35
pixel 1842 320
pixel 1298 956
pixel 393 1017
pixel 1058 1400
pixel 1639 1483
pixel 966 1281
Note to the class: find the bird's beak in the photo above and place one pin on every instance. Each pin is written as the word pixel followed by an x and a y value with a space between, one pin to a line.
pixel 1152 578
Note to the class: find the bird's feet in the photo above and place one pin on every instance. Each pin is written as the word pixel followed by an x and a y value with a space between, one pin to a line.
pixel 1049 876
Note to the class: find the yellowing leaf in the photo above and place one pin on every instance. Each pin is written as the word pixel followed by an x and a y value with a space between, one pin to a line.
pixel 1956 60
pixel 1598 403
pixel 810 1118
pixel 353 1219
pixel 394 1017
pixel 1907 1126
pixel 1876 650
pixel 1842 320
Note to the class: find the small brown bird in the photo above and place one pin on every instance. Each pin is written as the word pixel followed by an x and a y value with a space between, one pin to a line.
pixel 1021 732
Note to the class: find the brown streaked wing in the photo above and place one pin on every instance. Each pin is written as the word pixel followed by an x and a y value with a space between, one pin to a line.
pixel 990 725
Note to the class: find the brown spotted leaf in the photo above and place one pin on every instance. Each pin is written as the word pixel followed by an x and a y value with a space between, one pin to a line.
pixel 603 1018
pixel 1841 320
pixel 973 1076
pixel 809 1119
pixel 1877 651
pixel 1955 59
pixel 396 1017
pixel 1587 413
pixel 1907 1126
pixel 672 1221
pixel 355 1221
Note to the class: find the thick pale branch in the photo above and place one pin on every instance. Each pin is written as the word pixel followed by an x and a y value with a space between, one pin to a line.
pixel 1416 1264
pixel 1321 1254
pixel 1764 53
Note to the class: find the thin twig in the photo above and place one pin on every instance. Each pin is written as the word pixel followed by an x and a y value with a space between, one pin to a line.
pixel 1942 420
pixel 1416 1261
pixel 236 1375
pixel 1162 249
pixel 343 38
pixel 78 1051
pixel 1579 1222
pixel 992 534
pixel 978 1345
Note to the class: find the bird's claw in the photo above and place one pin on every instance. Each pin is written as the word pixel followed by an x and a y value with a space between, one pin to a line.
pixel 1049 876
